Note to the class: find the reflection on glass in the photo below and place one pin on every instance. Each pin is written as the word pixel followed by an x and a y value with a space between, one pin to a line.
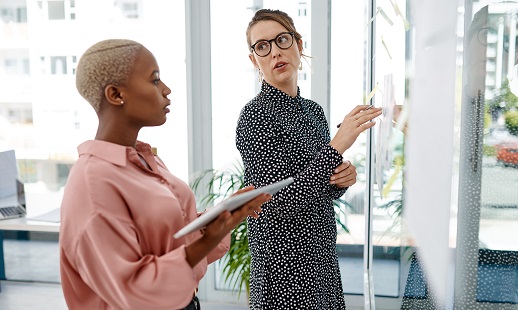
pixel 387 146
pixel 498 222
pixel 486 264
pixel 234 79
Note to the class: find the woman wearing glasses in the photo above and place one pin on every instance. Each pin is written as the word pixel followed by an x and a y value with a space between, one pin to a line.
pixel 280 134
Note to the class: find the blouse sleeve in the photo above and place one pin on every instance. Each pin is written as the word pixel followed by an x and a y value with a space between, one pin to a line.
pixel 261 146
pixel 220 250
pixel 125 277
pixel 222 247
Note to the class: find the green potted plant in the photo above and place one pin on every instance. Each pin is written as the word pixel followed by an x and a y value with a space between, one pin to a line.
pixel 215 185
pixel 511 122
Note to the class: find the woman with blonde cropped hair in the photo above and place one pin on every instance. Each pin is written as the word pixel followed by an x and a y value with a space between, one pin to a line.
pixel 121 206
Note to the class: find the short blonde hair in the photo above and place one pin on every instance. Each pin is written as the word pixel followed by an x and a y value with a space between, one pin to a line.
pixel 104 63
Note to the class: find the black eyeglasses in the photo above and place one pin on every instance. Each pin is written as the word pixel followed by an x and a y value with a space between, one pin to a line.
pixel 283 40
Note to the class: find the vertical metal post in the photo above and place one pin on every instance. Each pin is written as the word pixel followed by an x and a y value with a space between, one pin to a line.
pixel 2 262
pixel 368 288
pixel 499 53
pixel 321 47
pixel 512 44
pixel 199 93
pixel 470 163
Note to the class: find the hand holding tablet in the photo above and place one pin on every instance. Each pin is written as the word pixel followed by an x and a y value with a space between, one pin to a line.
pixel 230 204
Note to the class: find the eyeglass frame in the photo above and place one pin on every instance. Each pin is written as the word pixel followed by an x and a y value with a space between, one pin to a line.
pixel 292 33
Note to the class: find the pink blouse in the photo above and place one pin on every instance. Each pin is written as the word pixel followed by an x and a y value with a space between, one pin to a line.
pixel 118 218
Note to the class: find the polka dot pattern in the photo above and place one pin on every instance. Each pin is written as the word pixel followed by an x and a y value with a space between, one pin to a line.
pixel 293 242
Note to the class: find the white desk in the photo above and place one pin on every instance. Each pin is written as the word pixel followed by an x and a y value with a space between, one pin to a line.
pixel 22 224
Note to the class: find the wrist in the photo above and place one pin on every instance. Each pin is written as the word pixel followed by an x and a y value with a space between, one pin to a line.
pixel 337 147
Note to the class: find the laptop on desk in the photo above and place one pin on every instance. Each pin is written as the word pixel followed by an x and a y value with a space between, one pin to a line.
pixel 13 206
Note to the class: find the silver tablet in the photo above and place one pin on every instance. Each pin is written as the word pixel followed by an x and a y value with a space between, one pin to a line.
pixel 230 204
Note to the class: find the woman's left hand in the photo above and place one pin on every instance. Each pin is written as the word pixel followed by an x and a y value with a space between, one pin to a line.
pixel 344 175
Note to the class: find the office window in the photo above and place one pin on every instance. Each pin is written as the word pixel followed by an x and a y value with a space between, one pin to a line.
pixel 43 65
pixel 21 14
pixel 16 112
pixel 74 64
pixel 72 9
pixel 13 14
pixel 56 10
pixel 16 66
pixel 129 9
pixel 58 65
pixel 6 15
pixel 26 66
pixel 302 9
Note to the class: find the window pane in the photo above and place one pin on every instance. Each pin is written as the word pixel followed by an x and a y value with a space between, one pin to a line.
pixel 384 180
pixel 494 123
pixel 231 64
pixel 391 47
pixel 229 50
pixel 347 90
pixel 21 15
pixel 44 119
pixel 58 64
pixel 234 83
pixel 56 10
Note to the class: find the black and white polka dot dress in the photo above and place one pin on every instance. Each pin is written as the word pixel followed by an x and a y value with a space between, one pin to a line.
pixel 293 242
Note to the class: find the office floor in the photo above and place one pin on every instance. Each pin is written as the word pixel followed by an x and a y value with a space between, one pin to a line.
pixel 34 265
pixel 16 295
pixel 39 261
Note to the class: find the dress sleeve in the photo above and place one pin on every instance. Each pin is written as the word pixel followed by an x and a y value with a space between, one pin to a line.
pixel 336 192
pixel 260 143
pixel 333 192
pixel 126 278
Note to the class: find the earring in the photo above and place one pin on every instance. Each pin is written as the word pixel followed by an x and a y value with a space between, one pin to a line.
pixel 300 66
pixel 122 102
pixel 259 76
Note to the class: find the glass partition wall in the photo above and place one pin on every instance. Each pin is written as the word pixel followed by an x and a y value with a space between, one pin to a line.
pixel 487 257
pixel 361 52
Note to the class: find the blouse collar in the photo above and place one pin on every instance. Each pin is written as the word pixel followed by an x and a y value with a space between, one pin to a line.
pixel 118 154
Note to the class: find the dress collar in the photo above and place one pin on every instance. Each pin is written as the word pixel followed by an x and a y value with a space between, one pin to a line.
pixel 269 91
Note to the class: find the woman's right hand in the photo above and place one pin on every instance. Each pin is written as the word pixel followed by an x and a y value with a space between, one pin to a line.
pixel 221 227
pixel 354 123
pixel 227 221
